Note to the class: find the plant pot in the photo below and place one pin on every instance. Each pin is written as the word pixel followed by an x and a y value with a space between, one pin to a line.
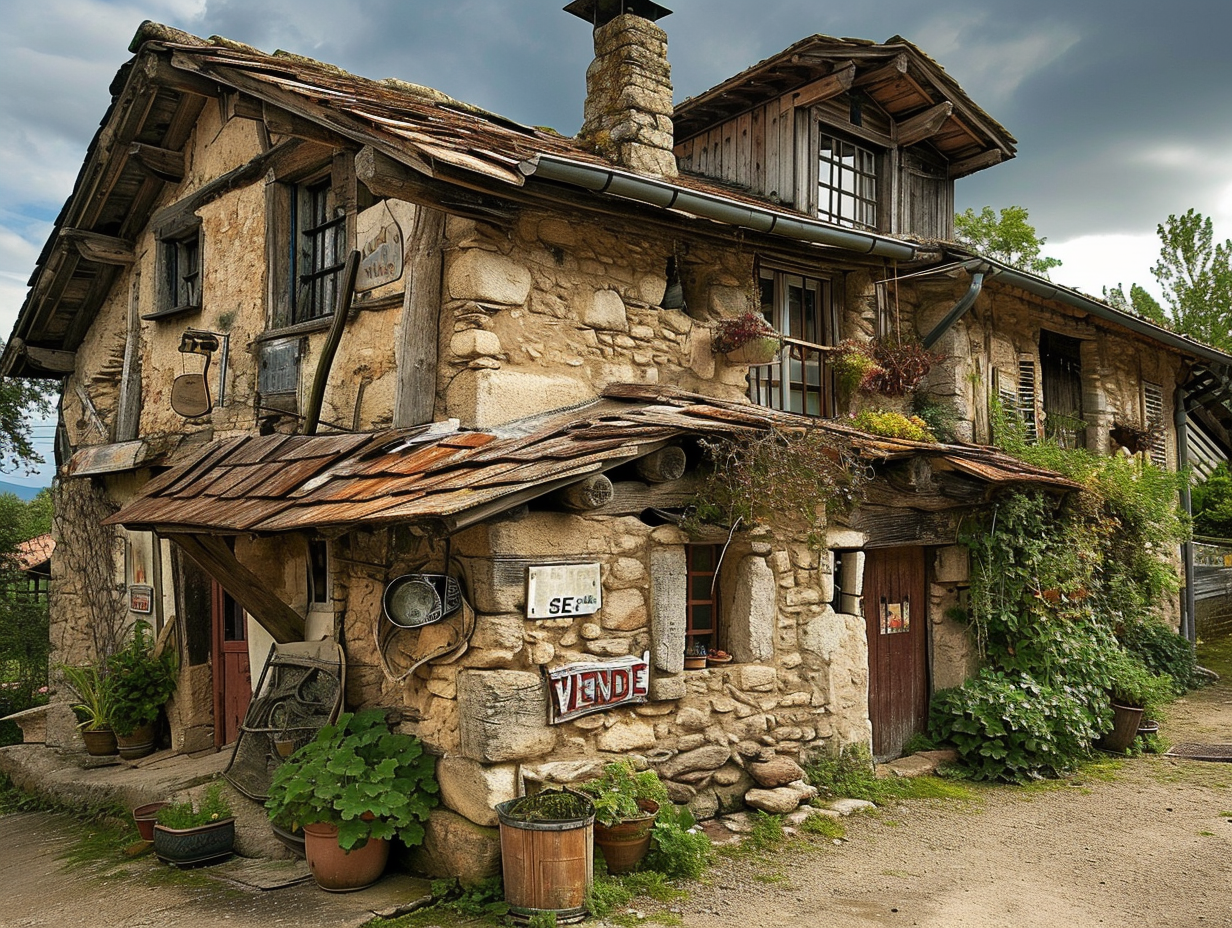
pixel 100 742
pixel 339 871
pixel 695 663
pixel 145 817
pixel 626 843
pixel 548 866
pixel 139 743
pixel 291 838
pixel 755 351
pixel 1125 721
pixel 1147 727
pixel 285 748
pixel 194 847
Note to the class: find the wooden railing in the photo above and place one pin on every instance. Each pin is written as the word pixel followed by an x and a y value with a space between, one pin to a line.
pixel 799 380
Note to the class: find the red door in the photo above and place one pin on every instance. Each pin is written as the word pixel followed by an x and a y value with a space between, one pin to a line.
pixel 895 617
pixel 232 680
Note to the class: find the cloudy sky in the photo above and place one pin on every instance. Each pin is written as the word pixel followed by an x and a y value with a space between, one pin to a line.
pixel 1121 108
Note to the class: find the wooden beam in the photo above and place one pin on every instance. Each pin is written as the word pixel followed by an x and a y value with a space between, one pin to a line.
pixel 417 353
pixel 838 81
pixel 984 159
pixel 101 249
pixel 282 122
pixel 889 527
pixel 236 105
pixel 924 125
pixel 160 70
pixel 387 177
pixel 252 592
pixel 587 495
pixel 662 466
pixel 160 162
pixel 51 360
pixel 893 71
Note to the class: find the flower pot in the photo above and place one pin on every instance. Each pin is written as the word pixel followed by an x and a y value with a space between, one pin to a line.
pixel 285 747
pixel 695 663
pixel 755 351
pixel 547 865
pixel 139 743
pixel 339 871
pixel 1147 727
pixel 145 817
pixel 291 838
pixel 626 843
pixel 194 847
pixel 100 742
pixel 1125 721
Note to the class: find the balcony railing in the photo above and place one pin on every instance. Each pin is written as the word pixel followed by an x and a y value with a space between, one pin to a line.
pixel 800 380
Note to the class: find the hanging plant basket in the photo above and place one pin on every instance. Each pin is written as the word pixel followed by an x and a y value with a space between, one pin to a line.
pixel 747 339
pixel 756 351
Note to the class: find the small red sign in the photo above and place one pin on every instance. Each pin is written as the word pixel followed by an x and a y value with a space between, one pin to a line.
pixel 141 598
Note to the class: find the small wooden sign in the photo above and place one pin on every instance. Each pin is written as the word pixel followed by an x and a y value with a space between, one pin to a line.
pixel 558 591
pixel 141 598
pixel 379 239
pixel 580 689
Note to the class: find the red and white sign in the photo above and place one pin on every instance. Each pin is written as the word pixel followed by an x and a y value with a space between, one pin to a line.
pixel 580 689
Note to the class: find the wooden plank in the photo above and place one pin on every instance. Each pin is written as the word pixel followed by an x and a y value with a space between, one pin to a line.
pixel 128 415
pixel 975 163
pixel 923 125
pixel 743 168
pixel 162 163
pixel 214 557
pixel 417 354
pixel 101 249
pixel 895 70
pixel 825 88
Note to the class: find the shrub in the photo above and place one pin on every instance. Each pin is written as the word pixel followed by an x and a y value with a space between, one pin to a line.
pixel 678 849
pixel 892 425
pixel 617 789
pixel 139 682
pixel 1163 651
pixel 212 808
pixel 1010 727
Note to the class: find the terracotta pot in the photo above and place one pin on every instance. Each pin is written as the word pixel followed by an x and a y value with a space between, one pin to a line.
pixel 139 743
pixel 339 871
pixel 695 663
pixel 191 847
pixel 100 742
pixel 625 844
pixel 145 817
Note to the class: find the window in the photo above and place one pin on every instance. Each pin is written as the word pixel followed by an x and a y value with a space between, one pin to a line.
pixel 319 253
pixel 179 273
pixel 846 182
pixel 1061 377
pixel 1154 420
pixel 702 609
pixel 800 380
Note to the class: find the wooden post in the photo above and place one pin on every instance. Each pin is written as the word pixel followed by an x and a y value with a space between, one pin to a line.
pixel 415 401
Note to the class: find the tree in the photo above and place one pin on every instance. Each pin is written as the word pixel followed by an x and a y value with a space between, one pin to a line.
pixel 24 641
pixel 1008 238
pixel 1196 277
pixel 21 402
pixel 1139 303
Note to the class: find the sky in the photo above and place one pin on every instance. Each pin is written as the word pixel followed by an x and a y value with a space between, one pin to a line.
pixel 1121 108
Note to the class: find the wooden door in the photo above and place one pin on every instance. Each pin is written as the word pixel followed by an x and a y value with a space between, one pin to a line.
pixel 232 680
pixel 896 620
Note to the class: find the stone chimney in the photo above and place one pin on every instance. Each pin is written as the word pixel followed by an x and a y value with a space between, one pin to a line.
pixel 628 115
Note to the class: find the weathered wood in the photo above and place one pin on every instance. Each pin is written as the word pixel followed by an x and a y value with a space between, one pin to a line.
pixel 586 495
pixel 51 360
pixel 102 249
pixel 252 593
pixel 417 353
pixel 235 105
pixel 346 293
pixel 282 122
pixel 386 177
pixel 890 72
pixel 662 465
pixel 975 163
pixel 128 415
pixel 162 71
pixel 924 125
pixel 630 497
pixel 160 162
pixel 107 459
pixel 825 88
pixel 91 411
pixel 887 527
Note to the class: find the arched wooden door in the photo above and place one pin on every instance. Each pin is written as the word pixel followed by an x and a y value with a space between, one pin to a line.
pixel 896 620
pixel 232 679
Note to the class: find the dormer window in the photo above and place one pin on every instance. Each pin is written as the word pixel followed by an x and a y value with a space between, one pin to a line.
pixel 846 182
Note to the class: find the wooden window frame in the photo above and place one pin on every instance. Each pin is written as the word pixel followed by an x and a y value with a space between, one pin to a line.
pixel 801 380
pixel 693 634
pixel 865 172
pixel 179 283
pixel 1153 410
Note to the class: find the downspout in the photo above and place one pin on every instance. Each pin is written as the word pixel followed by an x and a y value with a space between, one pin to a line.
pixel 958 310
pixel 1179 420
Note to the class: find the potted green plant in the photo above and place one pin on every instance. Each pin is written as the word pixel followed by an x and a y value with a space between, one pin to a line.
pixel 747 339
pixel 626 804
pixel 93 707
pixel 187 835
pixel 1136 691
pixel 352 788
pixel 140 683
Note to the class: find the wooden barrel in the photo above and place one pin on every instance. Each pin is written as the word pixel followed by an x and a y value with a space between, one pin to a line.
pixel 547 865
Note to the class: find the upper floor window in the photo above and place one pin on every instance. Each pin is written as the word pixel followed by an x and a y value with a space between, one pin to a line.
pixel 178 287
pixel 846 182
pixel 318 227
pixel 801 309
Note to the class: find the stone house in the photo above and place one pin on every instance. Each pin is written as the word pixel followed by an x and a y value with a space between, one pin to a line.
pixel 468 466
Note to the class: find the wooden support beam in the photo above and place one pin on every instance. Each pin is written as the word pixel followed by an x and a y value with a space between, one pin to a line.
pixel 586 495
pixel 893 71
pixel 662 466
pixel 252 593
pixel 386 177
pixel 160 162
pixel 889 527
pixel 923 125
pixel 283 122
pixel 235 105
pixel 984 159
pixel 417 351
pixel 161 70
pixel 51 360
pixel 101 249
pixel 825 88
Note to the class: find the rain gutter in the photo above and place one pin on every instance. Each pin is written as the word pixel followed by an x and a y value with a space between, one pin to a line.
pixel 654 192
pixel 959 309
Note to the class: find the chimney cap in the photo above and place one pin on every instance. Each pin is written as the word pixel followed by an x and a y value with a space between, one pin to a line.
pixel 599 12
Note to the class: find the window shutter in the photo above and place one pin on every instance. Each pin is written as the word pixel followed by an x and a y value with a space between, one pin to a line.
pixel 1153 416
pixel 1026 397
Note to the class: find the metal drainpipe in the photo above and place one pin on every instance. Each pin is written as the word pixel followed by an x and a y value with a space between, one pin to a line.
pixel 1179 419
pixel 958 310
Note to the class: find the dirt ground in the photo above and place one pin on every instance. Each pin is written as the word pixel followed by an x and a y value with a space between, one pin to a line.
pixel 1140 842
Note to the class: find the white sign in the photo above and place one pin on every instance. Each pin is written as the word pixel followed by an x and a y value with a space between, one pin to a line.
pixel 580 689
pixel 379 239
pixel 562 590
